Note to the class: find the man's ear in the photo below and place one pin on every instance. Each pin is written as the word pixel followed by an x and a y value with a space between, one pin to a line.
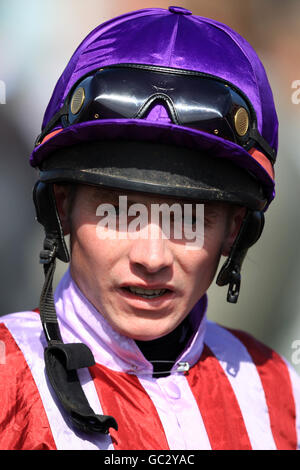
pixel 235 219
pixel 61 193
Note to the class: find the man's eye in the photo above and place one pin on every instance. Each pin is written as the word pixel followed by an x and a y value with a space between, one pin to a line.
pixel 208 221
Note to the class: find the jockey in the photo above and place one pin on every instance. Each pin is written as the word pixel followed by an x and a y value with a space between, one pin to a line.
pixel 156 156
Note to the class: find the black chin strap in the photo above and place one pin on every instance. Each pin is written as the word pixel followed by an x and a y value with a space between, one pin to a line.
pixel 230 272
pixel 63 360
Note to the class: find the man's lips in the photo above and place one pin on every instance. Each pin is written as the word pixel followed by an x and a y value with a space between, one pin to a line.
pixel 147 291
pixel 148 286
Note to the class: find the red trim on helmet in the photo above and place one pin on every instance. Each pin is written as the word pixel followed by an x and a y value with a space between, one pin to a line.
pixel 263 161
pixel 256 154
pixel 52 134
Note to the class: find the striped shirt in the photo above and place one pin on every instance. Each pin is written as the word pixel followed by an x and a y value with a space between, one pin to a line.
pixel 237 393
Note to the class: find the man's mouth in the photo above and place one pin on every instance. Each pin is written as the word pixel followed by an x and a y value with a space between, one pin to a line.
pixel 147 293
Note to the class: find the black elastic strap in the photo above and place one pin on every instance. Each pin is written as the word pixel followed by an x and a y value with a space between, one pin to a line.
pixel 50 125
pixel 230 272
pixel 269 151
pixel 63 360
pixel 46 307
pixel 48 216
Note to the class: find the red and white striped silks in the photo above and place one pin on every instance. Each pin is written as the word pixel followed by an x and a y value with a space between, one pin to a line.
pixel 238 393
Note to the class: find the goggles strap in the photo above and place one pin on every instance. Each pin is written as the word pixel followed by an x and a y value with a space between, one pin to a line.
pixel 50 125
pixel 63 360
pixel 258 138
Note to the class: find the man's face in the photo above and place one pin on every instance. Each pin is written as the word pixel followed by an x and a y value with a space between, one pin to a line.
pixel 109 271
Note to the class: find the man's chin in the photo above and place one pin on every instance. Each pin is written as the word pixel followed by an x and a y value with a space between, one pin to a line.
pixel 145 330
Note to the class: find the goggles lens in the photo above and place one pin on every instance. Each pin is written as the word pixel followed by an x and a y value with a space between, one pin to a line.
pixel 191 100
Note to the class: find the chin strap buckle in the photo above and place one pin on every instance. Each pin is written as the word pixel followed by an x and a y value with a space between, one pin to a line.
pixel 47 255
pixel 234 286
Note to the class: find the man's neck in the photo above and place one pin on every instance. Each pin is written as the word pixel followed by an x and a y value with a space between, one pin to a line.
pixel 164 351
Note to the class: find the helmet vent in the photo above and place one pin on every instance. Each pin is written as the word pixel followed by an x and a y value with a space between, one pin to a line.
pixel 77 100
pixel 241 121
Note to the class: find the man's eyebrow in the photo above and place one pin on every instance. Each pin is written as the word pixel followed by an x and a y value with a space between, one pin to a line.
pixel 116 200
pixel 210 211
pixel 104 196
pixel 113 198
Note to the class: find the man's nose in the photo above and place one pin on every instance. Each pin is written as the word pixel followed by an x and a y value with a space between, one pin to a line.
pixel 151 250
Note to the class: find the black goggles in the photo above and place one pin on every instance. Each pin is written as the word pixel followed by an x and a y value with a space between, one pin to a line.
pixel 192 99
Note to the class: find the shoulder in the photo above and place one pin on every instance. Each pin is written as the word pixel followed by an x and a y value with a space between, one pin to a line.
pixel 22 413
pixel 21 336
pixel 258 370
pixel 237 346
pixel 227 340
pixel 25 319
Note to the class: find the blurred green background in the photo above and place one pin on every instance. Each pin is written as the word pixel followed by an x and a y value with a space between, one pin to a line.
pixel 37 39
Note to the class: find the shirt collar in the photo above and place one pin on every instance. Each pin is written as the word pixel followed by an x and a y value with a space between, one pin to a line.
pixel 79 321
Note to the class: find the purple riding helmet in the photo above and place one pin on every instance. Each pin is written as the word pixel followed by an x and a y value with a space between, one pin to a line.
pixel 158 101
